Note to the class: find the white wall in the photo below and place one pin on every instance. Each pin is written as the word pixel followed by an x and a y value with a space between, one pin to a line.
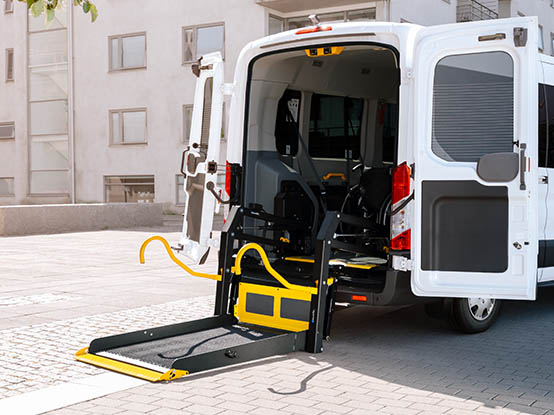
pixel 423 12
pixel 13 101
pixel 163 87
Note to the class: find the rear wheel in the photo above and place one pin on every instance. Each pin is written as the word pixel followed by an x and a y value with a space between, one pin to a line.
pixel 474 315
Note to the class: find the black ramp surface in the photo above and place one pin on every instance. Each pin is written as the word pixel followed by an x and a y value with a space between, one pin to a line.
pixel 163 352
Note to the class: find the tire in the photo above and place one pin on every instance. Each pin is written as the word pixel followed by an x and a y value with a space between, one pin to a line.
pixel 474 315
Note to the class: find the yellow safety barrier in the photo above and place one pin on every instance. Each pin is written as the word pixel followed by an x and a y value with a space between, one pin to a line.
pixel 175 259
pixel 269 268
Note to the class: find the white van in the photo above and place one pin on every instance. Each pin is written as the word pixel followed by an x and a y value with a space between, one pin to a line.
pixel 419 155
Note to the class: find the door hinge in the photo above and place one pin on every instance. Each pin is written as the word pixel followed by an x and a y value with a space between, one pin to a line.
pixel 520 36
pixel 212 167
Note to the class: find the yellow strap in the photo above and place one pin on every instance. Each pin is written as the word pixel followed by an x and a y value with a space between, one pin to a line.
pixel 269 268
pixel 175 259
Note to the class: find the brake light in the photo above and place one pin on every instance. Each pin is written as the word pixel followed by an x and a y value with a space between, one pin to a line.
pixel 401 234
pixel 313 30
pixel 228 178
pixel 359 298
pixel 400 182
pixel 402 242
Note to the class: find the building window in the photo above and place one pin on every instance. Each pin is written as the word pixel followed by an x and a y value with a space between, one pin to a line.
pixel 127 51
pixel 180 190
pixel 473 114
pixel 9 65
pixel 6 186
pixel 276 24
pixel 187 121
pixel 7 130
pixel 201 40
pixel 363 14
pixel 541 38
pixel 129 189
pixel 128 126
pixel 8 6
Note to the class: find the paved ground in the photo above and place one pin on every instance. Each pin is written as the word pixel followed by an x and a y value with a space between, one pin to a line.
pixel 58 292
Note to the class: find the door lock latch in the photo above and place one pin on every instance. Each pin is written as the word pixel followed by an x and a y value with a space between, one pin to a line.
pixel 517 245
pixel 212 167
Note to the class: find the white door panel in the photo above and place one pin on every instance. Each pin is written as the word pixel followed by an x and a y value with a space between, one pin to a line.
pixel 474 238
pixel 201 160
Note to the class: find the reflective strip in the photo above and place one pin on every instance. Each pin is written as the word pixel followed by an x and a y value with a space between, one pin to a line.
pixel 128 369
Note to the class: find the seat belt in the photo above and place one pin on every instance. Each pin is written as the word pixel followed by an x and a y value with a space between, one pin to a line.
pixel 310 160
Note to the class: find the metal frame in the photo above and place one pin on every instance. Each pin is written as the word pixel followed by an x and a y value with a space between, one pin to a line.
pixel 119 38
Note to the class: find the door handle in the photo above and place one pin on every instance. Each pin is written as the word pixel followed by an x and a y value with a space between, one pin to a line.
pixel 543 179
pixel 522 166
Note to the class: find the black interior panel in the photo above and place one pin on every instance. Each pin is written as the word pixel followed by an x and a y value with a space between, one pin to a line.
pixel 464 227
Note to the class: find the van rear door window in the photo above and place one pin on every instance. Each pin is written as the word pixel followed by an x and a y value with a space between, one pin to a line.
pixel 473 106
pixel 335 124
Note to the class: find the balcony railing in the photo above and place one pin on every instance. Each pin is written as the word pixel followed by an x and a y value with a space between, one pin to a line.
pixel 472 10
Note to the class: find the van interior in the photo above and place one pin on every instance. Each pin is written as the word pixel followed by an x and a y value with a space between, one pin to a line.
pixel 322 136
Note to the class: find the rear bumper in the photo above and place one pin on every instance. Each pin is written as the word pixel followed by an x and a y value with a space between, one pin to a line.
pixel 397 291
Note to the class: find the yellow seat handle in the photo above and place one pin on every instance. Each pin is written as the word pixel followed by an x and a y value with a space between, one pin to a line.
pixel 175 259
pixel 269 268
pixel 339 175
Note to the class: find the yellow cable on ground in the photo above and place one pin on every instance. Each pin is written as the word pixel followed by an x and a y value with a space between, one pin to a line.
pixel 175 259
pixel 269 268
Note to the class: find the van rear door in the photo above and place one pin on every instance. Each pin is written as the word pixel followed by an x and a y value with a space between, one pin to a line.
pixel 475 176
pixel 201 158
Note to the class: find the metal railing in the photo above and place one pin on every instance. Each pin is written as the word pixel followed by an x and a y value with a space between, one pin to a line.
pixel 472 10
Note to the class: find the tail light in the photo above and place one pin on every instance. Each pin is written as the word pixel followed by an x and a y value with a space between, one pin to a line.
pixel 228 178
pixel 233 174
pixel 400 221
pixel 400 183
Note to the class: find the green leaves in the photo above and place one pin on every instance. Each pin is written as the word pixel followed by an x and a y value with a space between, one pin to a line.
pixel 38 8
pixel 48 7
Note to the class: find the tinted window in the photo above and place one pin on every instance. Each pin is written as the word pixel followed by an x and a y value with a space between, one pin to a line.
pixel 335 124
pixel 473 106
pixel 546 142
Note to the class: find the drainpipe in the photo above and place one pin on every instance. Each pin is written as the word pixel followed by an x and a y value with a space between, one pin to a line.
pixel 70 99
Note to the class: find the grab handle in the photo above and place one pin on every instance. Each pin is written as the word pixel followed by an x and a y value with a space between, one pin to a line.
pixel 175 259
pixel 269 268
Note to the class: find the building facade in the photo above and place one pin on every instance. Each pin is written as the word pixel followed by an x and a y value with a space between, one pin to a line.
pixel 100 112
